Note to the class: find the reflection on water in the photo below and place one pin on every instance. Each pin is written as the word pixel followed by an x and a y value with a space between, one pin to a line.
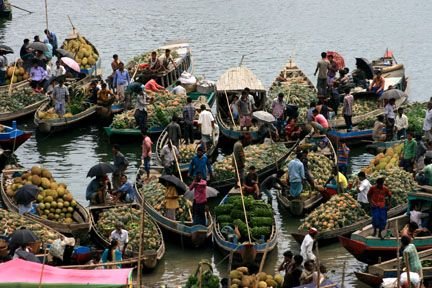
pixel 220 33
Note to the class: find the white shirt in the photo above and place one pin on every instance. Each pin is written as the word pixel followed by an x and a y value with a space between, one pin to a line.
pixel 364 189
pixel 401 122
pixel 427 123
pixel 58 71
pixel 179 90
pixel 122 237
pixel 415 216
pixel 306 248
pixel 251 99
pixel 167 155
pixel 205 120
pixel 389 111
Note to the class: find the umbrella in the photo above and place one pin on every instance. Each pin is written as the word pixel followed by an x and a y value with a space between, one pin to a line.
pixel 364 65
pixel 26 194
pixel 101 169
pixel 64 53
pixel 210 193
pixel 264 116
pixel 170 179
pixel 21 237
pixel 57 79
pixel 340 62
pixel 6 49
pixel 71 63
pixel 393 94
pixel 38 46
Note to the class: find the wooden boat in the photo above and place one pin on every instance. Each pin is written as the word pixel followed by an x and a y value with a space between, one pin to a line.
pixel 246 253
pixel 124 134
pixel 28 110
pixel 225 185
pixel 20 84
pixel 184 232
pixel 6 10
pixel 12 137
pixel 233 82
pixel 182 57
pixel 90 70
pixel 80 215
pixel 352 138
pixel 388 269
pixel 298 207
pixel 327 237
pixel 370 250
pixel 149 258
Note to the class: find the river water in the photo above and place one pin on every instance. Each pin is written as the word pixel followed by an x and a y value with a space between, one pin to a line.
pixel 267 32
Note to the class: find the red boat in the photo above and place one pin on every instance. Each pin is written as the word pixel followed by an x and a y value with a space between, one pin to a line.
pixel 11 137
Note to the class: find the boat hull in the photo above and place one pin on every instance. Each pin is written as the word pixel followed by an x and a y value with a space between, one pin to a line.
pixel 13 143
pixel 352 138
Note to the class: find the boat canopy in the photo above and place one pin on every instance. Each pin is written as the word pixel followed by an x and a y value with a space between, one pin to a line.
pixel 238 78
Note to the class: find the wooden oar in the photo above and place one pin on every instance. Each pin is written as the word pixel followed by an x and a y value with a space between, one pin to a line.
pixel 229 109
pixel 21 8
pixel 318 266
pixel 140 250
pixel 397 253
pixel 43 267
pixel 242 198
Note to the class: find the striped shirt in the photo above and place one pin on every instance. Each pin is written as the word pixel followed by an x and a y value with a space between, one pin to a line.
pixel 343 154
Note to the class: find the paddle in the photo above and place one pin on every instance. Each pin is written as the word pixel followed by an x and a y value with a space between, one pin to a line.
pixel 140 250
pixel 397 253
pixel 229 109
pixel 21 8
pixel 175 158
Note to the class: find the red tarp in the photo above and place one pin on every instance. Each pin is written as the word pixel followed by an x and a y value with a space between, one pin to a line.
pixel 21 271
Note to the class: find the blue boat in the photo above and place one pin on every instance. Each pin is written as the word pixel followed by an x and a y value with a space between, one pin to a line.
pixel 248 252
pixel 12 137
pixel 352 138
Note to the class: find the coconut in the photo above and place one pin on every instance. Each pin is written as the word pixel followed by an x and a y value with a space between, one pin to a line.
pixel 46 173
pixel 36 170
pixel 36 180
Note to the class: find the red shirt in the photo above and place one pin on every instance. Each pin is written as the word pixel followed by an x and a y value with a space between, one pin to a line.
pixel 377 196
pixel 320 119
pixel 200 195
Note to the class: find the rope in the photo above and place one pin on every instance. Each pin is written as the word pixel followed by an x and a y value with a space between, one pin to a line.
pixel 242 198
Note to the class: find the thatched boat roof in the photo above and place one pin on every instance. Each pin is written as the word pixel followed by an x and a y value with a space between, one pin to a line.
pixel 238 78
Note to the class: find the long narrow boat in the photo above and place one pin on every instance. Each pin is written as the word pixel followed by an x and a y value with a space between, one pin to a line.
pixel 150 257
pixel 231 83
pixel 80 216
pixel 246 252
pixel 352 138
pixel 388 269
pixel 52 125
pixel 12 137
pixel 181 53
pixel 20 84
pixel 127 133
pixel 370 250
pixel 182 231
pixel 26 111
pixel 274 162
pixel 298 207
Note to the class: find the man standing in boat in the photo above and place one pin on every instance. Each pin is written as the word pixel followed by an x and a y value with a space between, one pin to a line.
pixel 188 117
pixel 306 248
pixel 296 175
pixel 322 70
pixel 379 198
pixel 52 39
pixel 278 111
pixel 120 164
pixel 239 158
pixel 207 123
pixel 121 81
pixel 199 185
pixel 167 59
pixel 245 111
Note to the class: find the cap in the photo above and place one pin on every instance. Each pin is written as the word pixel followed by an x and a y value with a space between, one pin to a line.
pixel 313 231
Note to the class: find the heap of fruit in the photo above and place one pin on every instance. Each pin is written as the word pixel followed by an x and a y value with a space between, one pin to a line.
pixel 241 278
pixel 398 181
pixel 19 99
pixel 415 113
pixel 11 221
pixel 187 152
pixel 386 161
pixel 340 211
pixel 259 215
pixel 16 74
pixel 165 105
pixel 130 218
pixel 55 201
pixel 77 104
pixel 260 156
pixel 203 277
pixel 361 106
pixel 85 54
pixel 296 93
pixel 145 57
pixel 154 194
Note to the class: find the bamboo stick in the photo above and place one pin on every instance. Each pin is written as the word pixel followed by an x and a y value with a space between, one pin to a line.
pixel 42 269
pixel 175 158
pixel 46 13
pixel 397 254
pixel 242 198
pixel 264 257
pixel 140 250
pixel 231 255
pixel 229 109
pixel 318 266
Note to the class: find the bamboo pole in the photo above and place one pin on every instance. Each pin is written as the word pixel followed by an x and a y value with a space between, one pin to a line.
pixel 318 266
pixel 264 257
pixel 230 260
pixel 43 268
pixel 21 8
pixel 229 109
pixel 175 158
pixel 46 13
pixel 242 198
pixel 407 269
pixel 397 254
pixel 140 250
pixel 13 74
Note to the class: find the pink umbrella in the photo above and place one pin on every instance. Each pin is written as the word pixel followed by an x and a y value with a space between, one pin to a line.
pixel 340 62
pixel 71 63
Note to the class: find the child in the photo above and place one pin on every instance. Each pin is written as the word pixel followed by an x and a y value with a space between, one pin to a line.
pixel 251 183
pixel 307 274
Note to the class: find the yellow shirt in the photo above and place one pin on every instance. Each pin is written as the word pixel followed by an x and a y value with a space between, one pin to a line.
pixel 342 180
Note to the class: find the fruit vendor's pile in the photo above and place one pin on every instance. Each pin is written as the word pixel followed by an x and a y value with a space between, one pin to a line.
pixel 15 74
pixel 130 218
pixel 416 113
pixel 386 161
pixel 203 277
pixel 241 278
pixel 259 156
pixel 55 201
pixel 187 152
pixel 340 211
pixel 11 221
pixel 19 99
pixel 165 105
pixel 154 194
pixel 145 57
pixel 259 215
pixel 361 106
pixel 84 52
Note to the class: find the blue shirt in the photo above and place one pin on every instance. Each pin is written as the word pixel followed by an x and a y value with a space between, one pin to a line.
pixel 48 54
pixel 52 38
pixel 129 190
pixel 121 78
pixel 200 165
pixel 296 171
pixel 93 187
